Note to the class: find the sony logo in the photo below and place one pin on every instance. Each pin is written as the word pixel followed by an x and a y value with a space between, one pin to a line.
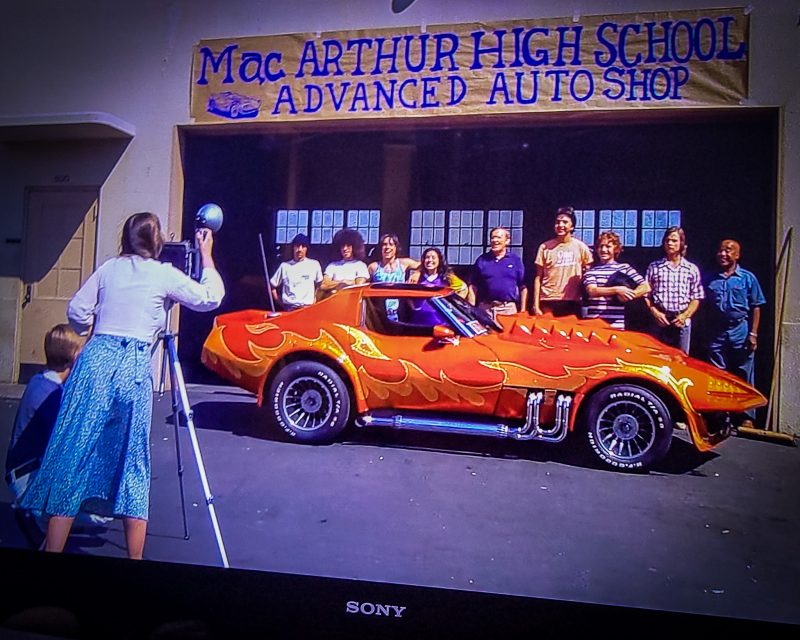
pixel 370 609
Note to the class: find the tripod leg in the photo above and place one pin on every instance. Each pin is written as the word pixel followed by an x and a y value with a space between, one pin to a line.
pixel 176 423
pixel 177 376
pixel 163 375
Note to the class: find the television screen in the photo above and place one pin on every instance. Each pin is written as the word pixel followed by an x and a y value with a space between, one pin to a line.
pixel 377 530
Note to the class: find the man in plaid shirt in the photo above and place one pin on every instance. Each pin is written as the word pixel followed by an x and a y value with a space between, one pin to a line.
pixel 676 291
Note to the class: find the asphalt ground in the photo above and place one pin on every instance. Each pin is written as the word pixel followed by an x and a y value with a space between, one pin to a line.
pixel 713 533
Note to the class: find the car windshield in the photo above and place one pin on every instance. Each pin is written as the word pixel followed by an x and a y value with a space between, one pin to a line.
pixel 470 320
pixel 417 316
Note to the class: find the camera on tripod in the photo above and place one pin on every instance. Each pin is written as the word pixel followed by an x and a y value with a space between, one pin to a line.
pixel 184 255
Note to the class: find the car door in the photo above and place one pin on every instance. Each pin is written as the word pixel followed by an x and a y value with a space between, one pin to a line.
pixel 400 370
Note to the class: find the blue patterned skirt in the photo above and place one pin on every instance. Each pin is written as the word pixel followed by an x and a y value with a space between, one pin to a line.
pixel 99 452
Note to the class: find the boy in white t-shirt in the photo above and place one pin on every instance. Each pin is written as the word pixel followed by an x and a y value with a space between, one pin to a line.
pixel 351 268
pixel 297 279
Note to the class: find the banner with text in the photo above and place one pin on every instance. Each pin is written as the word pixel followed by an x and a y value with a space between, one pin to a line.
pixel 643 60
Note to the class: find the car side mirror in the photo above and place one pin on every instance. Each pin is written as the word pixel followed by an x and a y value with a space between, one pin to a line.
pixel 443 332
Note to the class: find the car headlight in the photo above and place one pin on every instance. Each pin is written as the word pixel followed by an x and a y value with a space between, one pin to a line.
pixel 726 393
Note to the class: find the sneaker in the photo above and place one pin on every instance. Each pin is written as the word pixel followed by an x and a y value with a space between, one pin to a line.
pixel 90 523
pixel 98 519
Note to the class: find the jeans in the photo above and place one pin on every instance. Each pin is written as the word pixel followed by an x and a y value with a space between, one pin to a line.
pixel 678 337
pixel 730 350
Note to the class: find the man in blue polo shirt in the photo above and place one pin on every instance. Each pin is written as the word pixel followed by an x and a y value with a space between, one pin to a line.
pixel 736 298
pixel 497 283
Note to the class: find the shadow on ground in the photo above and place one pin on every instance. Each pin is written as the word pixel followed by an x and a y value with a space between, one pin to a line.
pixel 247 419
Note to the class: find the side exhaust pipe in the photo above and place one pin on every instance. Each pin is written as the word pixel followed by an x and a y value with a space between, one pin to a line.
pixel 531 430
pixel 431 423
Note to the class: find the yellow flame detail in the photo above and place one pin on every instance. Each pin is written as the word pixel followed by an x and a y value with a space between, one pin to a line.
pixel 209 358
pixel 261 327
pixel 323 342
pixel 363 344
pixel 663 374
pixel 263 357
pixel 216 351
pixel 429 387
pixel 517 375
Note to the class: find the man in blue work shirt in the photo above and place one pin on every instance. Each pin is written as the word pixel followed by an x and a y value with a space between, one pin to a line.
pixel 735 299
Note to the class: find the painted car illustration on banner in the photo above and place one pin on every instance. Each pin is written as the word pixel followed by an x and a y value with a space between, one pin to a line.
pixel 434 362
pixel 233 105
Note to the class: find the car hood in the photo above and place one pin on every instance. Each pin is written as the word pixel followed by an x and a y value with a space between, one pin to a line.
pixel 570 354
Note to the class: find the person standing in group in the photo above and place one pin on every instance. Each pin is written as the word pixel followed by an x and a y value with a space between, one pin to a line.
pixel 99 451
pixel 610 285
pixel 497 283
pixel 735 298
pixel 351 268
pixel 391 268
pixel 676 292
pixel 434 271
pixel 560 263
pixel 297 279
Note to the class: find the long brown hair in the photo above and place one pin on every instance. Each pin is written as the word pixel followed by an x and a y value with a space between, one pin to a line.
pixel 351 237
pixel 681 237
pixel 141 236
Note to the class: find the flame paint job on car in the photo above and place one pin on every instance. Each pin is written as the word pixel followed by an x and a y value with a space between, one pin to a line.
pixel 486 374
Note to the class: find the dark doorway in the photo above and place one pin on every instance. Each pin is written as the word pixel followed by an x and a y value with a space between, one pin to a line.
pixel 718 169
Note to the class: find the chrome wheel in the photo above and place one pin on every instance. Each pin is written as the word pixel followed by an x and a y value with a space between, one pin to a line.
pixel 625 429
pixel 628 426
pixel 310 401
pixel 307 403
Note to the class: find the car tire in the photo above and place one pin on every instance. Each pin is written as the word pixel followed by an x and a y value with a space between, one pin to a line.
pixel 310 402
pixel 628 427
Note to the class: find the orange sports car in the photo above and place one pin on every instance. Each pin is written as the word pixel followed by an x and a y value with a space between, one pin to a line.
pixel 414 357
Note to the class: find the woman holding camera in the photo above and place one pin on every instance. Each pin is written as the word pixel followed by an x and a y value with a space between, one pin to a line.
pixel 100 447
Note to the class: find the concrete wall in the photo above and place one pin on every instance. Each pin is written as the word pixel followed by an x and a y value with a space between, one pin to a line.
pixel 133 60
pixel 10 258
pixel 77 163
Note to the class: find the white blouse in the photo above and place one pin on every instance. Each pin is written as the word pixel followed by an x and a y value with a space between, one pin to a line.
pixel 128 296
